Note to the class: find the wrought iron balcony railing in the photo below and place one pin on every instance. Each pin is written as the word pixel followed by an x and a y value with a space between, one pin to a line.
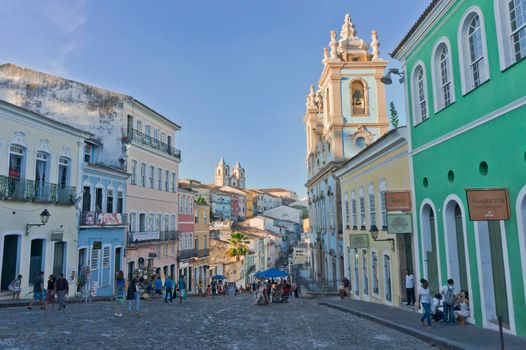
pixel 93 218
pixel 143 139
pixel 148 237
pixel 201 253
pixel 186 254
pixel 12 188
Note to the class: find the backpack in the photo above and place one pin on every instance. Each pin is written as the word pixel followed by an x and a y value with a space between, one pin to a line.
pixel 449 297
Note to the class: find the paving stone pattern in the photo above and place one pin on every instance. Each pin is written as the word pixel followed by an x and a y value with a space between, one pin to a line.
pixel 199 323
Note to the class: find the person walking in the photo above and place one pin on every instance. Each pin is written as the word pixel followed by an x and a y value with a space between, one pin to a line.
pixel 120 293
pixel 410 288
pixel 448 302
pixel 61 290
pixel 133 294
pixel 168 288
pixel 199 289
pixel 50 293
pixel 346 286
pixel 38 291
pixel 158 287
pixel 15 287
pixel 182 288
pixel 213 286
pixel 424 301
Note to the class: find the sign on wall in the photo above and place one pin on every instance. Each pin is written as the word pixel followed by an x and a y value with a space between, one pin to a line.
pixel 488 204
pixel 399 223
pixel 145 236
pixel 398 200
pixel 360 241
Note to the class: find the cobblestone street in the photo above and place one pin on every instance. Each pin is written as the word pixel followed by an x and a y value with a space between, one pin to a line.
pixel 199 323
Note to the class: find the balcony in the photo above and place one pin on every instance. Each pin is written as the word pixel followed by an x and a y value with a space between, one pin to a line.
pixel 186 254
pixel 136 238
pixel 201 253
pixel 146 140
pixel 36 191
pixel 92 218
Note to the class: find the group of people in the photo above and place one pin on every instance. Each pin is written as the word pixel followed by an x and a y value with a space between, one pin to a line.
pixel 57 287
pixel 448 306
pixel 271 291
pixel 142 286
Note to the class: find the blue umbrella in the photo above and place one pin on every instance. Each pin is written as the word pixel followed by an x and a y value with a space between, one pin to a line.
pixel 271 273
pixel 219 277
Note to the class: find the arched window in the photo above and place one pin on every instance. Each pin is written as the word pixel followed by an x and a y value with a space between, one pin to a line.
pixel 419 94
pixel 443 88
pixel 473 52
pixel 511 27
pixel 358 98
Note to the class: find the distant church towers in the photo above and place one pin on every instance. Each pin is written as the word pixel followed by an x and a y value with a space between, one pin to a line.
pixel 224 178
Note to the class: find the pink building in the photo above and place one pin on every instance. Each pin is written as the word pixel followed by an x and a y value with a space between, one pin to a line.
pixel 185 226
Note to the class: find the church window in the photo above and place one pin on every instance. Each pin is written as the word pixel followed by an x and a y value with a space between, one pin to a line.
pixel 358 98
pixel 419 94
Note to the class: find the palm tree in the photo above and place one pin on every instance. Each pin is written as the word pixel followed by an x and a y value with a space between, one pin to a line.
pixel 238 245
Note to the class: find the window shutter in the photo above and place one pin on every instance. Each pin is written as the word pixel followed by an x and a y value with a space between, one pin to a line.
pixel 106 257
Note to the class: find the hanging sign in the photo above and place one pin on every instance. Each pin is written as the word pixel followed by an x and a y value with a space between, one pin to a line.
pixel 398 200
pixel 399 223
pixel 359 241
pixel 57 236
pixel 488 204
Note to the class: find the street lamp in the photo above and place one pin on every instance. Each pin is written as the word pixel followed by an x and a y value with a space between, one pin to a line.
pixel 44 218
pixel 374 235
pixel 386 79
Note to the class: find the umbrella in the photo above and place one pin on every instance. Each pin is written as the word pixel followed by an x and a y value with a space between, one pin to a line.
pixel 219 277
pixel 271 273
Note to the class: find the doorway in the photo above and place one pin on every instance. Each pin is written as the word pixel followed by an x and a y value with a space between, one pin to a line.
pixel 387 278
pixel 454 232
pixel 430 248
pixel 9 260
pixel 59 257
pixel 36 259
pixel 493 272
pixel 117 260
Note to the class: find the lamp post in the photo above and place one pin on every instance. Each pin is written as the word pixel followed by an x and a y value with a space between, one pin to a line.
pixel 44 218
pixel 386 79
pixel 374 235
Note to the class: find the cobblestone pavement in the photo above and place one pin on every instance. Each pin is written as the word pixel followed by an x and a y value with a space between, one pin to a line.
pixel 199 323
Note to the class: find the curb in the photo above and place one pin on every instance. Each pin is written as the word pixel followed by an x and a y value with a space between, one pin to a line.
pixel 25 302
pixel 433 340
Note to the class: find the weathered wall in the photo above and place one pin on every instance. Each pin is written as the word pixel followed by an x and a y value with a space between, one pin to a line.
pixel 80 105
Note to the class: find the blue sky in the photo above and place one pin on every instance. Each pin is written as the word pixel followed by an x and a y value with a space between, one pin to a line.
pixel 233 74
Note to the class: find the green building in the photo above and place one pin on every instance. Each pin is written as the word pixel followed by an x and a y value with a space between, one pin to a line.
pixel 465 81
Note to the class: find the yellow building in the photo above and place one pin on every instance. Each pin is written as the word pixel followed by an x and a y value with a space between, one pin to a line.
pixel 376 261
pixel 251 196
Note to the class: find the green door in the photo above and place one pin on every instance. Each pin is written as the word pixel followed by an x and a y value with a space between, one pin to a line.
pixel 497 267
pixel 462 270
pixel 432 261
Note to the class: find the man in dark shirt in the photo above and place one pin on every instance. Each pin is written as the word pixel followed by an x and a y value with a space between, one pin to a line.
pixel 38 291
pixel 61 289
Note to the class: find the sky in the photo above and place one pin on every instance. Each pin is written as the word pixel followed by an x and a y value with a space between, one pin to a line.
pixel 233 73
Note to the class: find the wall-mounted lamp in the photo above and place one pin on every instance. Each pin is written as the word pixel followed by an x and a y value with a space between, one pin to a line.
pixel 374 235
pixel 386 79
pixel 44 218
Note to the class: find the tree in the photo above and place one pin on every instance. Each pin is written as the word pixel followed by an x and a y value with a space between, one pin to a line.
pixel 394 115
pixel 238 245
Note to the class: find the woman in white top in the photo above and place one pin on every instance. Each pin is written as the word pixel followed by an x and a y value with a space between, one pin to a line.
pixel 424 301
pixel 463 313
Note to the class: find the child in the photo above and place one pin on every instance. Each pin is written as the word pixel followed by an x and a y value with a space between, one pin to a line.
pixel 436 308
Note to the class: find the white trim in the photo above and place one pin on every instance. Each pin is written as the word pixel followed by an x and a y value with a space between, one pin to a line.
pixel 429 202
pixel 521 231
pixel 503 29
pixel 438 102
pixel 463 50
pixel 417 116
pixel 485 322
pixel 385 253
pixel 456 199
pixel 478 122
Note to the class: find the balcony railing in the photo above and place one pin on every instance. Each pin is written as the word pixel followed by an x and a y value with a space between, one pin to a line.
pixel 148 237
pixel 186 254
pixel 143 139
pixel 92 218
pixel 201 253
pixel 37 191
